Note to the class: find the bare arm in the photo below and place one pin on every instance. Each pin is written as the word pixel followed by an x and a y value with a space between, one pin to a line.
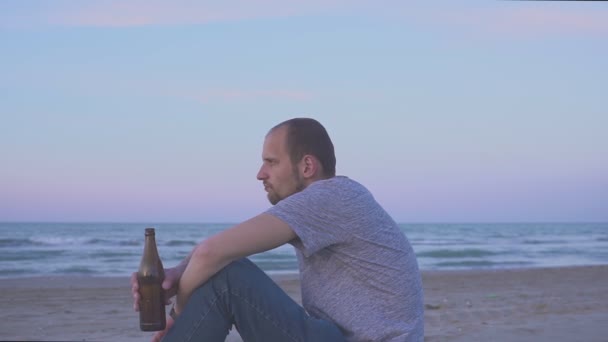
pixel 255 235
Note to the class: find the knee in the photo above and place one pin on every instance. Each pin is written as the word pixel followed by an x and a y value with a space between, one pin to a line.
pixel 236 270
pixel 237 273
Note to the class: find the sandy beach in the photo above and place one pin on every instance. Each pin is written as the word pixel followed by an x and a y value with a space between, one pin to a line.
pixel 549 304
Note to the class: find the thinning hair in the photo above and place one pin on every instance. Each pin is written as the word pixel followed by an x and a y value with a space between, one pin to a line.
pixel 308 136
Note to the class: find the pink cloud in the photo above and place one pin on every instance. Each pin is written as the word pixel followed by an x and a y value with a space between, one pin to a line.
pixel 526 21
pixel 561 20
pixel 153 12
pixel 502 18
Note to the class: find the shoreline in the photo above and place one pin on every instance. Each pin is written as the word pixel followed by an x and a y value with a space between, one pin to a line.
pixel 517 304
pixel 280 275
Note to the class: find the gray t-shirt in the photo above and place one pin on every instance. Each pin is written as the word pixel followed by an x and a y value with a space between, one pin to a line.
pixel 357 269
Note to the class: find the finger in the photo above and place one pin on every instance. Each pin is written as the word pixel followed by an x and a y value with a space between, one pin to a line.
pixel 136 301
pixel 167 284
pixel 134 282
pixel 135 291
pixel 135 295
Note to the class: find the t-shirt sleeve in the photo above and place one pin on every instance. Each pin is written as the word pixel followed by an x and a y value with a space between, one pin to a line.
pixel 312 216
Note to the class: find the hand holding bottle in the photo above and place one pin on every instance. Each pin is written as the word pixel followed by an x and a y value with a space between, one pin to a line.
pixel 169 285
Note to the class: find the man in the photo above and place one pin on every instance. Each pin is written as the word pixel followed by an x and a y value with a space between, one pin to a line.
pixel 359 276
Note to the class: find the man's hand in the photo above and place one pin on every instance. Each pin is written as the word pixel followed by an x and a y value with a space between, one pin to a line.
pixel 160 334
pixel 170 284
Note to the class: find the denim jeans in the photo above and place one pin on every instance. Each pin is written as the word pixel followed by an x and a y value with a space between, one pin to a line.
pixel 243 295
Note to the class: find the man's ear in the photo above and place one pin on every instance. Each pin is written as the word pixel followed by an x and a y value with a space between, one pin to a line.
pixel 310 166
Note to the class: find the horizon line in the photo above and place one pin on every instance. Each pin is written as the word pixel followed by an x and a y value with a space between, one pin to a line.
pixel 237 222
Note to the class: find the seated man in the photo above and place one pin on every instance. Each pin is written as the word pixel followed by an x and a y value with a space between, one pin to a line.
pixel 359 275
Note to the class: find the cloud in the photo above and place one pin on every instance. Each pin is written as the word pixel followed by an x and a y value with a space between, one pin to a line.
pixel 499 17
pixel 525 20
pixel 115 13
pixel 502 18
pixel 558 20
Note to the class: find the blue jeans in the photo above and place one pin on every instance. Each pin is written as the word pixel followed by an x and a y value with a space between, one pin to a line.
pixel 243 295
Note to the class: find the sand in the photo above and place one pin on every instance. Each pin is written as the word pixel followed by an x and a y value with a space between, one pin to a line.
pixel 550 304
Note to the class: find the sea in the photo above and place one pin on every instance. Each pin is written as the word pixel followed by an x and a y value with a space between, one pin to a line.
pixel 115 249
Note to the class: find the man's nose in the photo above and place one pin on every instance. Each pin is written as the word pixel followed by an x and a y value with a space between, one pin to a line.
pixel 262 174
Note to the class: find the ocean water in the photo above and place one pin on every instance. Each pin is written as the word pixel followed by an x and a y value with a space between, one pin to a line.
pixel 115 249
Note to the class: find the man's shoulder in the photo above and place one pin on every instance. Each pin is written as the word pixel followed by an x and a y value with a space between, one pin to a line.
pixel 338 183
pixel 335 195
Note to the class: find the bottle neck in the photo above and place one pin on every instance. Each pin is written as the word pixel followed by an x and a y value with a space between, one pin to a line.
pixel 150 262
pixel 150 250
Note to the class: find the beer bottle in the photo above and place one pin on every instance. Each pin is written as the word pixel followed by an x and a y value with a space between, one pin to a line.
pixel 150 277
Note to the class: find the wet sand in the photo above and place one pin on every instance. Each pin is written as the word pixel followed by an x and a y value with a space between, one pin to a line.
pixel 549 304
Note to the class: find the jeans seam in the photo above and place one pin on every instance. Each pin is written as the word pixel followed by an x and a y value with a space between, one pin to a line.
pixel 263 314
pixel 188 336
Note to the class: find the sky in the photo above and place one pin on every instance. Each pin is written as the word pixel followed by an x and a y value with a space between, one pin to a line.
pixel 156 111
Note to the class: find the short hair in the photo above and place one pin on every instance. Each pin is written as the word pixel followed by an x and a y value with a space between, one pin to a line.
pixel 308 136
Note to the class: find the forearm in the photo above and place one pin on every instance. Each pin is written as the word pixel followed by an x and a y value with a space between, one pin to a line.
pixel 202 264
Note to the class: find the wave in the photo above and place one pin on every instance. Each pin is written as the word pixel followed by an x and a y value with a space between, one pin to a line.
pixel 30 255
pixel 480 263
pixel 118 261
pixel 114 254
pixel 76 270
pixel 176 243
pixel 16 272
pixel 63 241
pixel 273 257
pixel 94 241
pixel 445 243
pixel 277 266
pixel 543 242
pixel 15 242
pixel 564 251
pixel 457 253
pixel 130 243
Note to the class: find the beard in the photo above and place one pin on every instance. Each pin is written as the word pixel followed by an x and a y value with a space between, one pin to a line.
pixel 275 198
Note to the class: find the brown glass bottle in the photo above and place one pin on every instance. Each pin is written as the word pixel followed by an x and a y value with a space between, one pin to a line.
pixel 150 277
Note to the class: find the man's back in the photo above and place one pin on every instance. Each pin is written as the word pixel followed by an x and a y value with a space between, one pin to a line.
pixel 357 268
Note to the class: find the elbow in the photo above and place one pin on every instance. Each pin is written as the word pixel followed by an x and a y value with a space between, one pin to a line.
pixel 208 258
pixel 205 253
